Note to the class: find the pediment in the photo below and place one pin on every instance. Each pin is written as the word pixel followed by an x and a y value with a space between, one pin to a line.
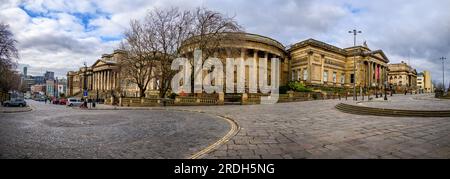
pixel 99 63
pixel 380 54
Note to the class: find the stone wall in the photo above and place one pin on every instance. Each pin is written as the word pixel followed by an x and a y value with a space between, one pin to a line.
pixel 211 100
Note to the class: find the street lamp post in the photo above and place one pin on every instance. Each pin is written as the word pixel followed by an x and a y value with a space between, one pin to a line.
pixel 84 82
pixel 354 32
pixel 443 72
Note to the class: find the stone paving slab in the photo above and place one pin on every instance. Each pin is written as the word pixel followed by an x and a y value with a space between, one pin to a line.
pixel 410 102
pixel 59 132
pixel 315 129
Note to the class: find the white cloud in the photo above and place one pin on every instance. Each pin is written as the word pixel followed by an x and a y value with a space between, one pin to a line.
pixel 59 40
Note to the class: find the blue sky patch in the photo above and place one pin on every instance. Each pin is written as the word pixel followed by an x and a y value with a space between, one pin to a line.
pixel 111 38
pixel 84 18
pixel 353 9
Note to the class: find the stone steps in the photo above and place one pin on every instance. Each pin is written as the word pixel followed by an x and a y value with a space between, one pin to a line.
pixel 361 110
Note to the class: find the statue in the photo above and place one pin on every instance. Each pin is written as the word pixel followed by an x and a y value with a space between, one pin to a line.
pixel 365 44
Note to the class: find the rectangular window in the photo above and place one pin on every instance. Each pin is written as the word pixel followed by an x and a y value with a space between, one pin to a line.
pixel 325 76
pixel 352 78
pixel 342 78
pixel 334 77
pixel 299 77
pixel 305 74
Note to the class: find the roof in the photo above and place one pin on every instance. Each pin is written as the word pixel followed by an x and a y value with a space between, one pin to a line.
pixel 248 37
pixel 345 52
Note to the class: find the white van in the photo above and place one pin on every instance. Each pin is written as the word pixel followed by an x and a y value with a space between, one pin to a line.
pixel 74 102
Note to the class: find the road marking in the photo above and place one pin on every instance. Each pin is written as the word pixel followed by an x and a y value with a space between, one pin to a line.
pixel 233 131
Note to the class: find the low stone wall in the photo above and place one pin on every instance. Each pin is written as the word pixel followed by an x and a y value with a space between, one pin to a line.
pixel 292 97
pixel 192 101
pixel 137 102
pixel 178 101
pixel 218 99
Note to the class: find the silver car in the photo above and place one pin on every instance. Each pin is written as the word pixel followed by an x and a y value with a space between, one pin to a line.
pixel 74 102
pixel 15 102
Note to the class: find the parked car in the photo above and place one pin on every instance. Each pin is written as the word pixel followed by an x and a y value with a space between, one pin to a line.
pixel 55 101
pixel 74 102
pixel 39 99
pixel 63 102
pixel 15 102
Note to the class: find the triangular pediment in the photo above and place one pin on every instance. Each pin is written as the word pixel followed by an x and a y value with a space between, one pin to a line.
pixel 380 54
pixel 98 63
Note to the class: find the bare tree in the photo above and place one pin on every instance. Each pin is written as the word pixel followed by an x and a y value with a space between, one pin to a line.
pixel 164 33
pixel 8 52
pixel 171 27
pixel 210 30
pixel 141 60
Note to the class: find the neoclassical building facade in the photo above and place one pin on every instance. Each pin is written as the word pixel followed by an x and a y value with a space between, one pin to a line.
pixel 104 79
pixel 316 63
pixel 402 76
pixel 311 62
pixel 248 47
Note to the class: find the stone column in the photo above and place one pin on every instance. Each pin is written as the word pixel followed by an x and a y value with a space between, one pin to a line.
pixel 102 80
pixel 370 74
pixel 253 75
pixel 108 80
pixel 379 74
pixel 384 77
pixel 93 80
pixel 242 77
pixel 112 80
pixel 105 80
pixel 310 56
pixel 99 80
pixel 322 70
pixel 97 74
pixel 96 80
pixel 367 74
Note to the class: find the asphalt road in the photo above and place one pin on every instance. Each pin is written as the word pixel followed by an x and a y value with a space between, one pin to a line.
pixel 52 131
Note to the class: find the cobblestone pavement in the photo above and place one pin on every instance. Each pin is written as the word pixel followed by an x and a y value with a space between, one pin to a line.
pixel 315 129
pixel 52 131
pixel 408 102
pixel 14 109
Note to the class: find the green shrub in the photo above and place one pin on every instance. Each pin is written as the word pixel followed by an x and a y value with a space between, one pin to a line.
pixel 299 87
pixel 173 96
pixel 284 89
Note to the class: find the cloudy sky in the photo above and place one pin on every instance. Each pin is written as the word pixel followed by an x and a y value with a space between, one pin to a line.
pixel 59 35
